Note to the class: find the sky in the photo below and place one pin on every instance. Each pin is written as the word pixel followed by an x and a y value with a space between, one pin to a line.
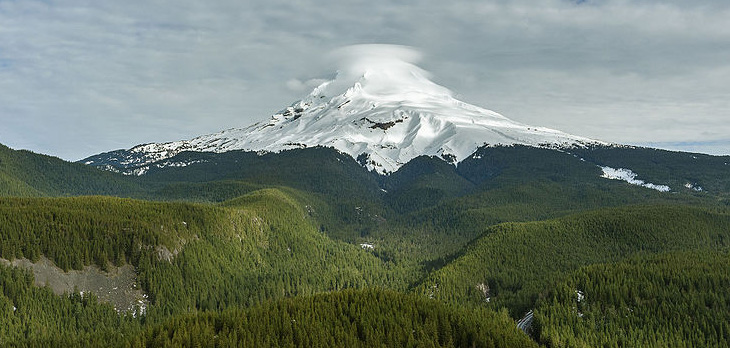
pixel 80 77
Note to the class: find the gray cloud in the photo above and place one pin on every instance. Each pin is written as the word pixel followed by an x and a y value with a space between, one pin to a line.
pixel 79 77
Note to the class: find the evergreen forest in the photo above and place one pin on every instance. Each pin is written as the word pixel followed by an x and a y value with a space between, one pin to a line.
pixel 512 247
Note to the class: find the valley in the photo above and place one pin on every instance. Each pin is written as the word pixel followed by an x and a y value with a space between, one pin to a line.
pixel 238 235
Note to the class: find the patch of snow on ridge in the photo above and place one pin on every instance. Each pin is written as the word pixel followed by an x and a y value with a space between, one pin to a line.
pixel 694 187
pixel 630 177
pixel 178 164
pixel 137 171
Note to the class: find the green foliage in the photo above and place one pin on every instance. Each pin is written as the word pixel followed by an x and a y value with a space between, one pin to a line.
pixel 195 257
pixel 211 191
pixel 497 166
pixel 270 249
pixel 30 315
pixel 12 186
pixel 677 299
pixel 667 167
pixel 423 182
pixel 312 169
pixel 520 262
pixel 436 209
pixel 23 173
pixel 287 225
pixel 78 231
pixel 371 318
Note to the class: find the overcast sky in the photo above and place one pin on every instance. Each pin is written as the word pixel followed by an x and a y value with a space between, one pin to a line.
pixel 82 77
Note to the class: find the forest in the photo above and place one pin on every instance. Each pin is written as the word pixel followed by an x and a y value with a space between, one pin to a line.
pixel 306 248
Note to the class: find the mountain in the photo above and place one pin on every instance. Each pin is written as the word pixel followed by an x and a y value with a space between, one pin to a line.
pixel 24 173
pixel 384 114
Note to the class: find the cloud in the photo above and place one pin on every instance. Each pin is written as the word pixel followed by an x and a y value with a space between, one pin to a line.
pixel 299 86
pixel 355 59
pixel 78 77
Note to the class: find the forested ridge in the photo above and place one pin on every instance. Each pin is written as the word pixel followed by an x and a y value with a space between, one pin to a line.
pixel 518 262
pixel 677 299
pixel 369 318
pixel 236 248
pixel 24 173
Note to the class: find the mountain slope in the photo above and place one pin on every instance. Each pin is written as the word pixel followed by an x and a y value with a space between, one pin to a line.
pixel 514 264
pixel 676 299
pixel 369 318
pixel 384 113
pixel 24 173
pixel 260 246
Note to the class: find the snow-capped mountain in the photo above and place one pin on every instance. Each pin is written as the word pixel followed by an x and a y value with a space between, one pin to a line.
pixel 383 112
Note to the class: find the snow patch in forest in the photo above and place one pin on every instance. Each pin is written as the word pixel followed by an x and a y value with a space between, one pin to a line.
pixel 694 187
pixel 630 177
pixel 367 246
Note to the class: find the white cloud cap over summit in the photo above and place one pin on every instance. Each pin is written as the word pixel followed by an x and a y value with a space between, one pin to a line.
pixel 355 60
pixel 390 71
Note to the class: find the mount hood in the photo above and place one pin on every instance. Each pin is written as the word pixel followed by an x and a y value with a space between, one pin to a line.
pixel 382 111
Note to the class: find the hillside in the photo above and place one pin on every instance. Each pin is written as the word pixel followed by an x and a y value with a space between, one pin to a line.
pixel 676 299
pixel 23 173
pixel 258 247
pixel 244 252
pixel 350 318
pixel 514 265
pixel 233 237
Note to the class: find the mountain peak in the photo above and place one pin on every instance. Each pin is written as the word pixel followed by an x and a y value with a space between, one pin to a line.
pixel 381 109
pixel 383 72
